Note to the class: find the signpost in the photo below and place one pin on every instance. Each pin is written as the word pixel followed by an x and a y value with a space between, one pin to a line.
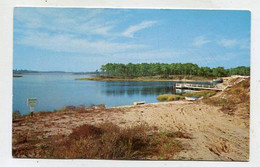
pixel 31 102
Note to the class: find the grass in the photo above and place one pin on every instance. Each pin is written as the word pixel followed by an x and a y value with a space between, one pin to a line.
pixel 204 93
pixel 169 97
pixel 233 98
pixel 16 114
pixel 173 97
pixel 71 108
pixel 104 141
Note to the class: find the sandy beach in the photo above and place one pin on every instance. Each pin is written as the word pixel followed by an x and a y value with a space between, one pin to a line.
pixel 214 135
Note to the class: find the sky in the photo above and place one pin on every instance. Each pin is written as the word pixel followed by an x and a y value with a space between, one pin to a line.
pixel 81 40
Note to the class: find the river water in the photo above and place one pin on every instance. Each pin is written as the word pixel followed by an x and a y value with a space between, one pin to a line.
pixel 56 90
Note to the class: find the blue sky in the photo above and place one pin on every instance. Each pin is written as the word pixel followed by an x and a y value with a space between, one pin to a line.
pixel 79 39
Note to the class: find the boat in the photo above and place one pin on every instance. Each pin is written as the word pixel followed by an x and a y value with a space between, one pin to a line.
pixel 191 98
pixel 139 103
pixel 218 80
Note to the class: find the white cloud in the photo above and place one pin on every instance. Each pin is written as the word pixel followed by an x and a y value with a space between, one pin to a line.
pixel 130 31
pixel 74 44
pixel 200 41
pixel 228 42
pixel 243 43
pixel 94 26
pixel 70 22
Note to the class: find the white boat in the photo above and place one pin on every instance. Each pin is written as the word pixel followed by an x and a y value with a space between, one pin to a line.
pixel 191 98
pixel 139 103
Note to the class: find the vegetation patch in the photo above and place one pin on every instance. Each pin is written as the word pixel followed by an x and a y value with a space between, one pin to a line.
pixel 169 97
pixel 204 93
pixel 105 141
pixel 237 96
pixel 173 97
pixel 16 114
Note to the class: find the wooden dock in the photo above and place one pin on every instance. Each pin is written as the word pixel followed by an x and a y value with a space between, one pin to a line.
pixel 197 86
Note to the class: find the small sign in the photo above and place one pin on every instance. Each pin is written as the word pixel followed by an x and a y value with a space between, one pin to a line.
pixel 31 102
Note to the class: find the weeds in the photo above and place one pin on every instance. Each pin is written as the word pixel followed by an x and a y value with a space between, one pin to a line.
pixel 106 141
pixel 173 97
pixel 232 97
pixel 16 114
pixel 204 93
pixel 169 97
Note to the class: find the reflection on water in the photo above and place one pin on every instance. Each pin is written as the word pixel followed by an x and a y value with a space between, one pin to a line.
pixel 152 89
pixel 139 88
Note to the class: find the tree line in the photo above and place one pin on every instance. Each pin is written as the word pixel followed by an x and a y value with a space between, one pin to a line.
pixel 165 70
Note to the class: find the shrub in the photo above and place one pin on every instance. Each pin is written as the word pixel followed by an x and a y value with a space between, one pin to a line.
pixel 237 95
pixel 69 108
pixel 163 97
pixel 107 141
pixel 204 93
pixel 169 97
pixel 16 114
pixel 174 97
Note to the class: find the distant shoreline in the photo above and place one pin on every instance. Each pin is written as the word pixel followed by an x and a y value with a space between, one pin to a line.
pixel 17 75
pixel 143 79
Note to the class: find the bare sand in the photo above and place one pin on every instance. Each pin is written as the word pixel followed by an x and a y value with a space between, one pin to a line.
pixel 215 135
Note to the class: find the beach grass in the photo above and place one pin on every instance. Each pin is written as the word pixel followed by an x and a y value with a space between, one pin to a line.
pixel 107 141
pixel 174 97
pixel 169 97
pixel 198 94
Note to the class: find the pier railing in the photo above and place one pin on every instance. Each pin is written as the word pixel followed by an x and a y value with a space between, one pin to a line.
pixel 195 86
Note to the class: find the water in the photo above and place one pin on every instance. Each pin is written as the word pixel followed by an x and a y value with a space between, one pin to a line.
pixel 55 91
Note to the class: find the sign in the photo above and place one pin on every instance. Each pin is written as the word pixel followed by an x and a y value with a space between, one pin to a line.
pixel 31 102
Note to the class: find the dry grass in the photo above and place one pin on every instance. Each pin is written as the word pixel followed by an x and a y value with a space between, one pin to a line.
pixel 169 97
pixel 103 141
pixel 232 98
pixel 173 97
pixel 204 93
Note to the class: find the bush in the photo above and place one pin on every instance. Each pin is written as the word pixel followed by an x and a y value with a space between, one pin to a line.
pixel 169 97
pixel 163 97
pixel 204 93
pixel 16 114
pixel 109 141
pixel 175 97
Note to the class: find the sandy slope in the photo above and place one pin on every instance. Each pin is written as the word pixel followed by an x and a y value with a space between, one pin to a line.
pixel 215 136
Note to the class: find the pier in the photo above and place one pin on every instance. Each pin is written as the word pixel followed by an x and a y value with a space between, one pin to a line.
pixel 197 86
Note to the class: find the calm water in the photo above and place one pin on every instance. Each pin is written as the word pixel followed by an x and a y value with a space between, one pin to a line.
pixel 55 91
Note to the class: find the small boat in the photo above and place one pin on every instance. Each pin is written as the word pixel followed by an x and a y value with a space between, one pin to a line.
pixel 191 98
pixel 218 80
pixel 139 103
